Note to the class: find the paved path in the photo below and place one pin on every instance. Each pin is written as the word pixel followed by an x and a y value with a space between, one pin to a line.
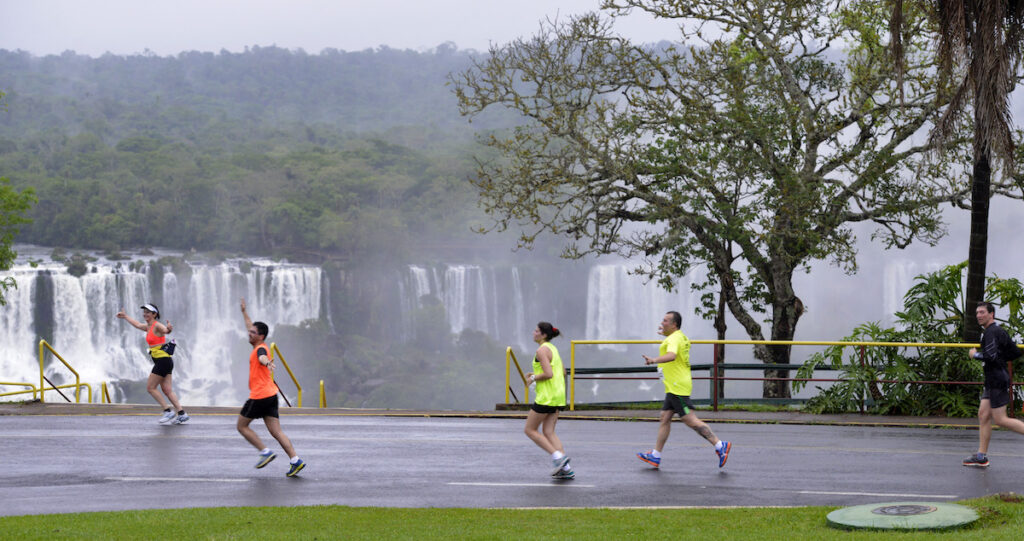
pixel 124 460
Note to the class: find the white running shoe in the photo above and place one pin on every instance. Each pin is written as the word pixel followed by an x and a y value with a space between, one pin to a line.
pixel 166 417
pixel 180 419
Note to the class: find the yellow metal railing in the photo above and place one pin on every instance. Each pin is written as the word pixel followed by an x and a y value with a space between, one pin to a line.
pixel 574 343
pixel 510 357
pixel 105 394
pixel 31 388
pixel 323 397
pixel 44 345
pixel 277 354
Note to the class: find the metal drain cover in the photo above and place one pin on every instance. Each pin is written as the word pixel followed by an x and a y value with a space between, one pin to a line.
pixel 902 516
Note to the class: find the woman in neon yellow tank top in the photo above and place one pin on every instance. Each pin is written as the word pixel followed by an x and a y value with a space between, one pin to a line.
pixel 549 375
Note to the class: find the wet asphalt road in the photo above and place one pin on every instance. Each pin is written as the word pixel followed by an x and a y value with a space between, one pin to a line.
pixel 55 464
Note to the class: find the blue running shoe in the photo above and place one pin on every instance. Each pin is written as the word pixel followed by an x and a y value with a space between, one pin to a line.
pixel 296 468
pixel 723 453
pixel 650 459
pixel 180 419
pixel 265 459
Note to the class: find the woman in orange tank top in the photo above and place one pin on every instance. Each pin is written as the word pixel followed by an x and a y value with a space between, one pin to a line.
pixel 160 379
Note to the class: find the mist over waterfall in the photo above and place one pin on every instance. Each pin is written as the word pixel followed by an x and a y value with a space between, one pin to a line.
pixel 586 300
pixel 76 315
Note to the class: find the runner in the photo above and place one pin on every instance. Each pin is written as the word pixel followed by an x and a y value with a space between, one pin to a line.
pixel 674 358
pixel 262 401
pixel 549 375
pixel 996 349
pixel 163 362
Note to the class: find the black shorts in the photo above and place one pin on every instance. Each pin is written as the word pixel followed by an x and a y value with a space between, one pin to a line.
pixel 541 408
pixel 257 408
pixel 677 403
pixel 997 396
pixel 163 366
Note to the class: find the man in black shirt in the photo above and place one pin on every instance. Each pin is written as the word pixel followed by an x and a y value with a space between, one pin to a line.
pixel 996 349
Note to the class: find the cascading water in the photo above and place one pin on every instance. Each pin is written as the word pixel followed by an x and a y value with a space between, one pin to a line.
pixel 202 303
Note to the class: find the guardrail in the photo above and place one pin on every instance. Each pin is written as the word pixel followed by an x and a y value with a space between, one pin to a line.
pixel 510 357
pixel 77 385
pixel 277 354
pixel 32 388
pixel 717 369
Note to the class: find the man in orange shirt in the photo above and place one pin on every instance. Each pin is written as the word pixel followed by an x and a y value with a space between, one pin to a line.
pixel 262 401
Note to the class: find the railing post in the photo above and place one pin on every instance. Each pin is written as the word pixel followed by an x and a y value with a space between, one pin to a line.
pixel 508 371
pixel 323 397
pixel 42 378
pixel 862 365
pixel 714 380
pixel 572 375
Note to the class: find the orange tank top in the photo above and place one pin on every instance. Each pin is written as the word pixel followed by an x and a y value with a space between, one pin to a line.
pixel 261 379
pixel 152 339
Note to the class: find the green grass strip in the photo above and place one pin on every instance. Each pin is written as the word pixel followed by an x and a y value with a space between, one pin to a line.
pixel 1001 518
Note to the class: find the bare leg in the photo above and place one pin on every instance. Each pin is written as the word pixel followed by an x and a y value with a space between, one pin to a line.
pixel 152 385
pixel 533 422
pixel 549 431
pixel 698 426
pixel 664 429
pixel 1000 418
pixel 168 390
pixel 248 433
pixel 985 425
pixel 274 427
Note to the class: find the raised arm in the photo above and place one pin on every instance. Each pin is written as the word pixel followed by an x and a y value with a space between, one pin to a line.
pixel 248 321
pixel 137 324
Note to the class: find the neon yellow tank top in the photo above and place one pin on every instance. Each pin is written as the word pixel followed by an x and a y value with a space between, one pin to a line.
pixel 551 392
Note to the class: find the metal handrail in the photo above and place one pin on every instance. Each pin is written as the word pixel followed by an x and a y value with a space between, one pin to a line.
pixel 32 388
pixel 42 378
pixel 715 365
pixel 105 395
pixel 510 357
pixel 323 397
pixel 277 352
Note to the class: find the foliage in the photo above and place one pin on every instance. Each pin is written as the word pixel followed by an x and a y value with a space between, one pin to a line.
pixel 362 156
pixel 932 314
pixel 768 138
pixel 14 205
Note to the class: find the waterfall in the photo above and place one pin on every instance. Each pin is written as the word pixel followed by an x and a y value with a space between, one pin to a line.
pixel 202 303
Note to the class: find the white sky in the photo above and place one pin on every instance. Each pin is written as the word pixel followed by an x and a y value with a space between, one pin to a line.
pixel 125 27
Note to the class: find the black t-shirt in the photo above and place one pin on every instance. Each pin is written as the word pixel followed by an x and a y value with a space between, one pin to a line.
pixel 996 349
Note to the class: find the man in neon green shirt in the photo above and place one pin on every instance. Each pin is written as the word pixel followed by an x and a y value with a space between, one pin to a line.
pixel 674 360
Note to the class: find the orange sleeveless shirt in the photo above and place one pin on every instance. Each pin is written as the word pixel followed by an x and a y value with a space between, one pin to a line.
pixel 152 339
pixel 261 380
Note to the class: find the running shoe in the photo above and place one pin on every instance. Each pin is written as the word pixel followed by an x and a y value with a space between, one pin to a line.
pixel 650 459
pixel 296 468
pixel 976 460
pixel 558 464
pixel 564 475
pixel 166 417
pixel 180 419
pixel 723 453
pixel 265 459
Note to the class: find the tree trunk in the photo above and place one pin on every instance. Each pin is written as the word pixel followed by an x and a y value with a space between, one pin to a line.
pixel 720 327
pixel 787 312
pixel 978 251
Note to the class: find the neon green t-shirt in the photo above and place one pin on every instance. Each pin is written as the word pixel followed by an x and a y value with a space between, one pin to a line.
pixel 677 373
pixel 550 392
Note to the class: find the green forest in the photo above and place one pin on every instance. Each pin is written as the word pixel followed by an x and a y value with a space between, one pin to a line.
pixel 358 161
pixel 338 155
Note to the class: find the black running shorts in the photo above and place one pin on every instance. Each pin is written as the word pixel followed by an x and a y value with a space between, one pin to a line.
pixel 997 396
pixel 163 366
pixel 677 403
pixel 257 408
pixel 541 408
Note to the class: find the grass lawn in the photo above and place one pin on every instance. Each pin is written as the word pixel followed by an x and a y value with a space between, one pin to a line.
pixel 1001 518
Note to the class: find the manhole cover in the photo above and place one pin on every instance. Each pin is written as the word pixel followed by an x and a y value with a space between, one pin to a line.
pixel 904 510
pixel 902 516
